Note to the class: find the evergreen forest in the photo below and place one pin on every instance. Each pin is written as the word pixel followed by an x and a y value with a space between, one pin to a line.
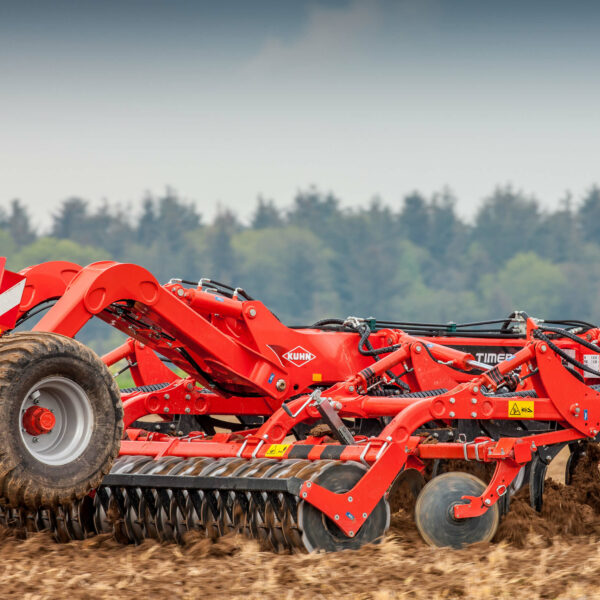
pixel 418 260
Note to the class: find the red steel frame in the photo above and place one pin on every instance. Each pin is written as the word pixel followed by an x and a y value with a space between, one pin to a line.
pixel 563 399
pixel 242 345
pixel 573 405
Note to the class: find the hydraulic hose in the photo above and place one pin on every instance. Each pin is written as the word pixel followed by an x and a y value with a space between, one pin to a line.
pixel 563 354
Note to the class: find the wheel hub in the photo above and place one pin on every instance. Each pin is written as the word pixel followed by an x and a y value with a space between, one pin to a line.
pixel 38 420
pixel 56 420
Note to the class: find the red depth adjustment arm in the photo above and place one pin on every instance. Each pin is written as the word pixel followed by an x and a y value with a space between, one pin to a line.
pixel 445 354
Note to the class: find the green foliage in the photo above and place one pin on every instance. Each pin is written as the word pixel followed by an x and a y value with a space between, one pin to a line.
pixel 8 247
pixel 291 273
pixel 49 248
pixel 589 215
pixel 420 261
pixel 527 282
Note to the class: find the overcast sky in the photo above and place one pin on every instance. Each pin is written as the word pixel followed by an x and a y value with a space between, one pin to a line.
pixel 227 100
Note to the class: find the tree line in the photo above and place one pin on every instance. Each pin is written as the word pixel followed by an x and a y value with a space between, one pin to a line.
pixel 418 260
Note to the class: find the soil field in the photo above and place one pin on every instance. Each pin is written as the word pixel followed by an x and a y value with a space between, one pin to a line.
pixel 552 555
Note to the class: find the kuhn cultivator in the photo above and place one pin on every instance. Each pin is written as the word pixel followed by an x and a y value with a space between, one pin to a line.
pixel 296 436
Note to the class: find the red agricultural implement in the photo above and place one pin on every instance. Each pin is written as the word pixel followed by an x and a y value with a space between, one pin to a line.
pixel 294 435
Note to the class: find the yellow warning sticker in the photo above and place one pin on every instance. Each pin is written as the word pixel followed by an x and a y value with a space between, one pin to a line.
pixel 277 450
pixel 317 376
pixel 521 409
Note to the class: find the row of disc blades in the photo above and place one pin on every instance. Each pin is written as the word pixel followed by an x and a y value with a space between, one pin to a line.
pixel 275 519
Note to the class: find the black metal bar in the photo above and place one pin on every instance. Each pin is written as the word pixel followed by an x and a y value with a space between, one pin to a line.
pixel 330 416
pixel 123 480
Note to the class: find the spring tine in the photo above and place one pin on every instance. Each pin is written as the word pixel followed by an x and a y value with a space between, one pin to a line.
pixel 179 496
pixel 259 501
pixel 61 532
pixel 45 520
pixel 291 502
pixel 117 496
pixel 119 520
pixel 164 499
pixel 30 517
pixel 81 518
pixel 74 527
pixel 242 498
pixel 134 499
pixel 177 520
pixel 227 504
pixel 276 504
pixel 194 496
pixel 148 496
pixel 213 504
pixel 102 494
pixel 101 524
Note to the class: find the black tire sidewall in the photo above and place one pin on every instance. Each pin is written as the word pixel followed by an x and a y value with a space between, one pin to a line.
pixel 85 372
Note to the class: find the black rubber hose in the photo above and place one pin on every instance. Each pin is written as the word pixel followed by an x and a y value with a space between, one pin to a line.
pixel 364 340
pixel 45 305
pixel 226 290
pixel 572 336
pixel 572 322
pixel 370 351
pixel 565 356
pixel 323 322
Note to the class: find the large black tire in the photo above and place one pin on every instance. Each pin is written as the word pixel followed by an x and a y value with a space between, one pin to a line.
pixel 51 369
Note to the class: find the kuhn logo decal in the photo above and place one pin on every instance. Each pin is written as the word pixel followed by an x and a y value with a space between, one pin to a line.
pixel 299 356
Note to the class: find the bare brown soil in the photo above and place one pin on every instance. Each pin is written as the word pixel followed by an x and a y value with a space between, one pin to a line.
pixel 552 555
pixel 401 567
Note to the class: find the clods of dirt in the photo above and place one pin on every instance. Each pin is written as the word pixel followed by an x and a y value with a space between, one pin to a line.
pixel 552 555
